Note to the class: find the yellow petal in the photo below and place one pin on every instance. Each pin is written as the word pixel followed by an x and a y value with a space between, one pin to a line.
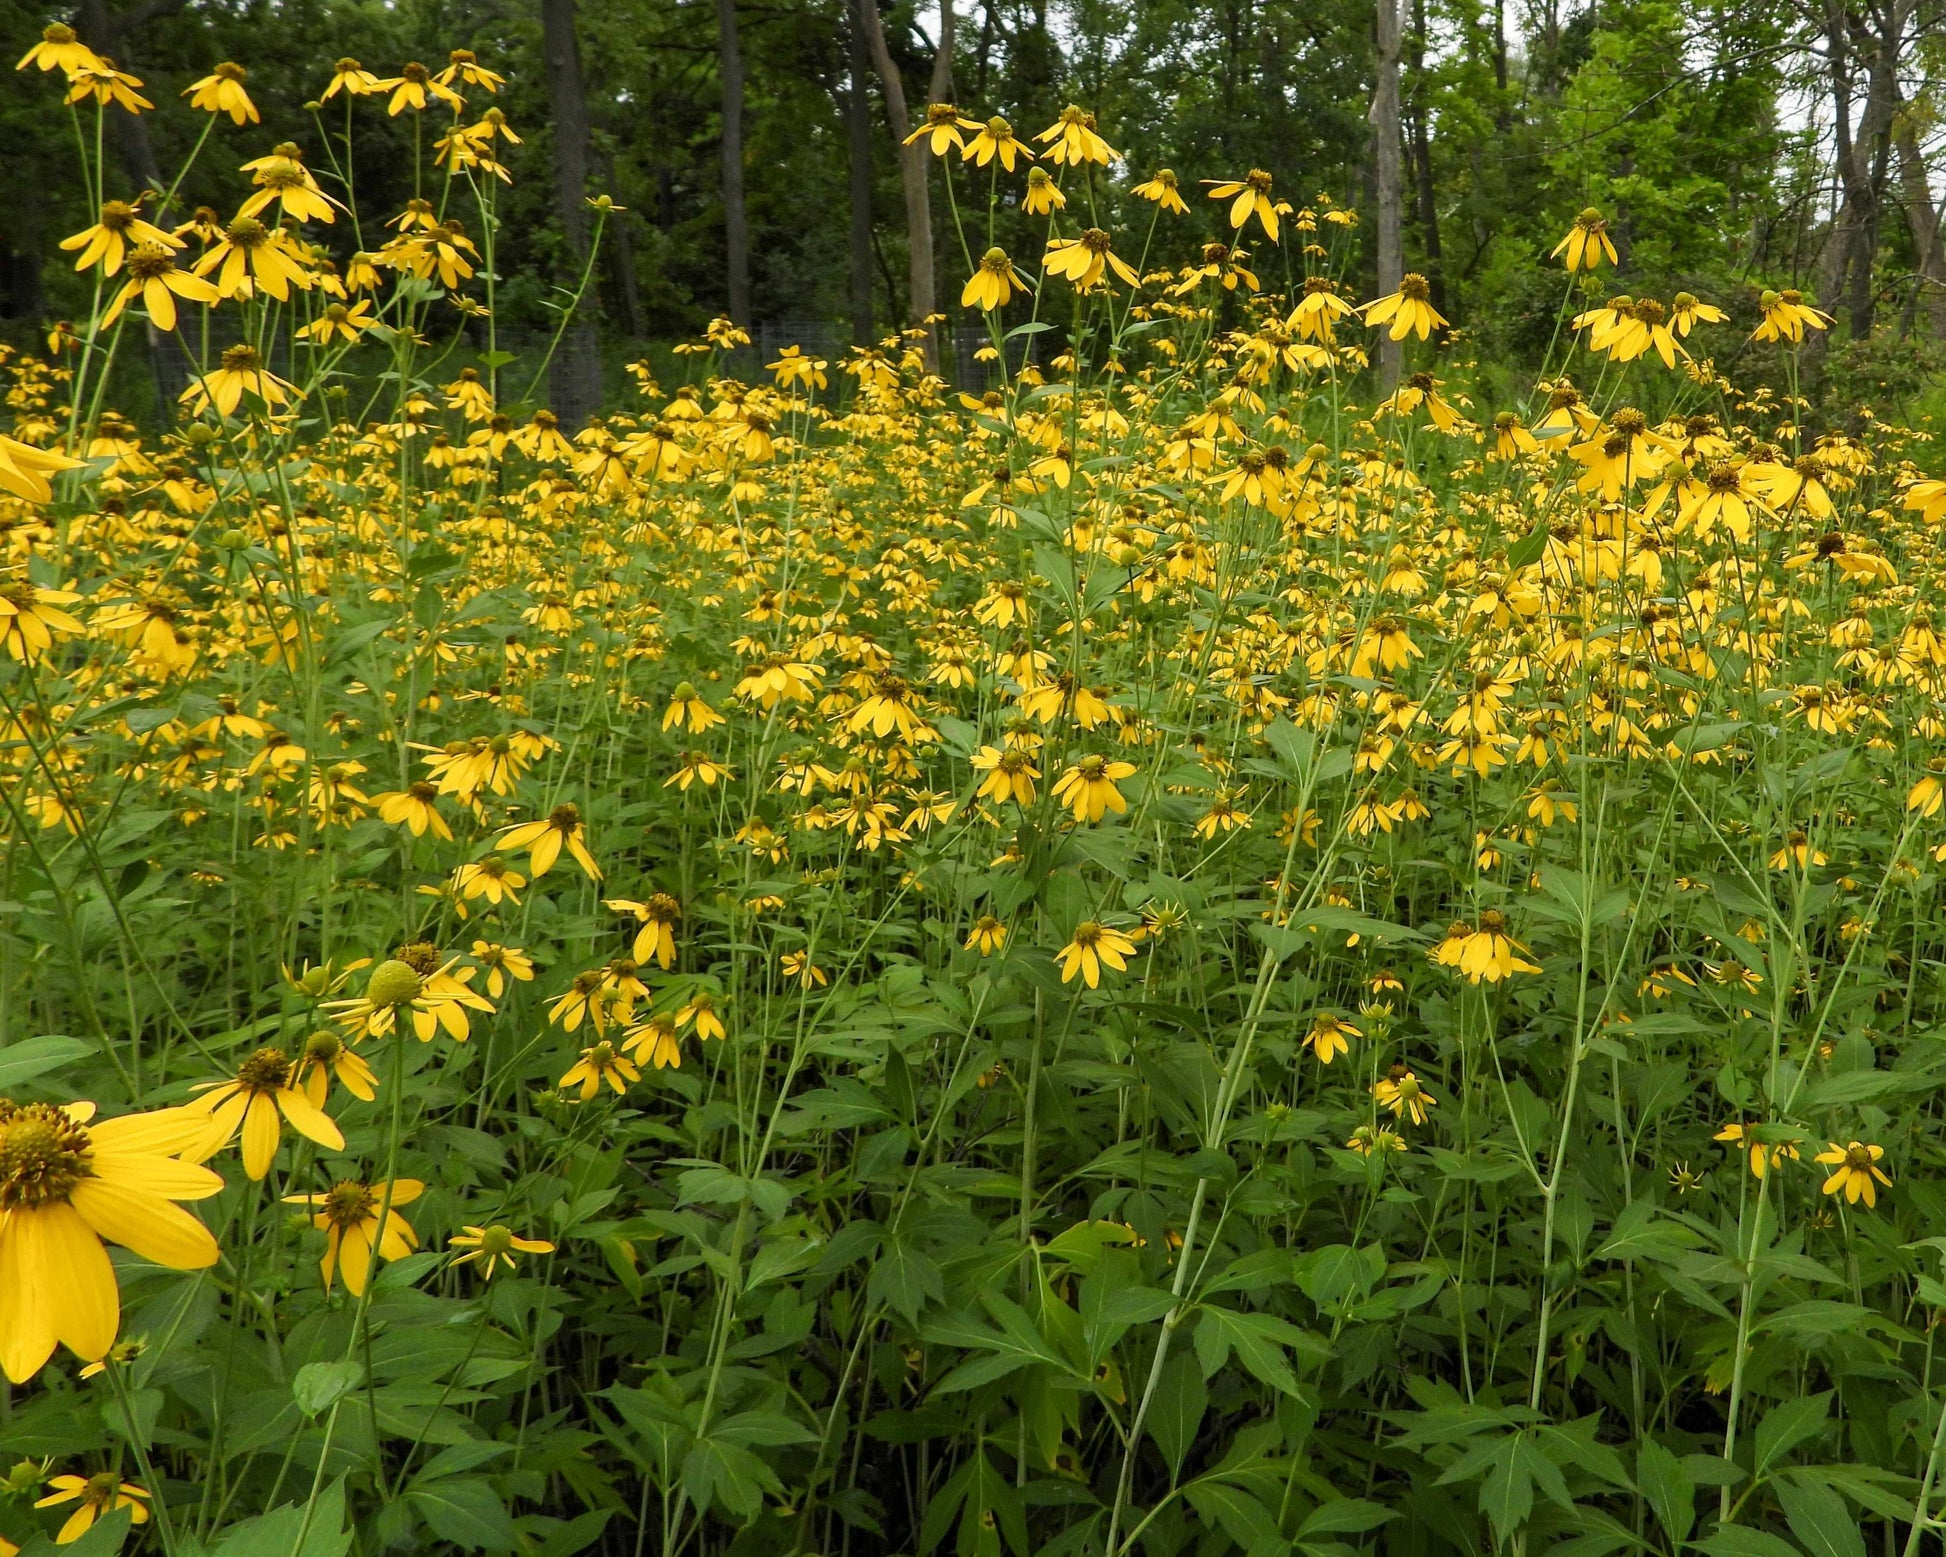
pixel 26 1332
pixel 142 1221
pixel 60 1253
pixel 168 1177
pixel 260 1135
pixel 310 1121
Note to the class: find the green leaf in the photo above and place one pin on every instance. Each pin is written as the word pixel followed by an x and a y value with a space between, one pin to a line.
pixel 1181 1399
pixel 904 1279
pixel 465 1512
pixel 1740 1541
pixel 1820 1518
pixel 720 1474
pixel 31 1057
pixel 104 1539
pixel 1526 551
pixel 1668 1488
pixel 1787 1425
pixel 1259 1341
pixel 1642 1233
pixel 1236 1513
pixel 1344 1516
pixel 282 1529
pixel 320 1385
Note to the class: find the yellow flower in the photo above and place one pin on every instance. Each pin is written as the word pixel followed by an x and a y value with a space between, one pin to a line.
pixel 413 980
pixel 351 78
pixel 59 49
pixel 1163 188
pixel 66 1185
pixel 654 1042
pixel 1085 260
pixel 1328 1037
pixel 1487 952
pixel 1855 1172
pixel 118 227
pixel 241 370
pixel 656 940
pixel 1088 787
pixel 1092 945
pixel 1587 242
pixel 1043 196
pixel 996 139
pixel 1798 850
pixel 106 85
pixel 326 1055
pixel 941 129
pixel 99 1494
pixel 1762 1158
pixel 545 839
pixel 503 963
pixel 349 1213
pixel 600 1062
pixel 798 967
pixel 249 256
pixel 24 470
pixel 987 936
pixel 262 1092
pixel 413 807
pixel 415 87
pixel 493 1248
pixel 993 284
pixel 221 92
pixel 700 1008
pixel 1787 316
pixel 347 324
pixel 1249 195
pixel 1072 138
pixel 491 878
pixel 1401 1092
pixel 29 617
pixel 1408 310
pixel 1010 775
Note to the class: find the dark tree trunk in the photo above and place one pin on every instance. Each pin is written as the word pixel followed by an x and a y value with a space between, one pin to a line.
pixel 858 131
pixel 108 33
pixel 1422 162
pixel 1845 266
pixel 736 220
pixel 574 383
pixel 914 160
pixel 1928 260
pixel 1386 174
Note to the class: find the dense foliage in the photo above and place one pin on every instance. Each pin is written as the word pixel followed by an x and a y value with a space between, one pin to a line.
pixel 1188 952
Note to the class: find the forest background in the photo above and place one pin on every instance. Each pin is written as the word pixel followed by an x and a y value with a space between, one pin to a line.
pixel 754 147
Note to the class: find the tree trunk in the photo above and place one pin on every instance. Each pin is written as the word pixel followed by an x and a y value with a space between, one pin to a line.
pixel 1928 259
pixel 107 34
pixel 1422 162
pixel 736 221
pixel 858 129
pixel 914 160
pixel 1386 174
pixel 574 381
pixel 1845 264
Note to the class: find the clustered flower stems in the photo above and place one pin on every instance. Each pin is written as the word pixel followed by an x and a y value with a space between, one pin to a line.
pixel 822 902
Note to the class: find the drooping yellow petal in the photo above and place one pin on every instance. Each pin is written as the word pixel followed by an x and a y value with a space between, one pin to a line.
pixel 161 1176
pixel 309 1120
pixel 142 1221
pixel 26 1331
pixel 59 1251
